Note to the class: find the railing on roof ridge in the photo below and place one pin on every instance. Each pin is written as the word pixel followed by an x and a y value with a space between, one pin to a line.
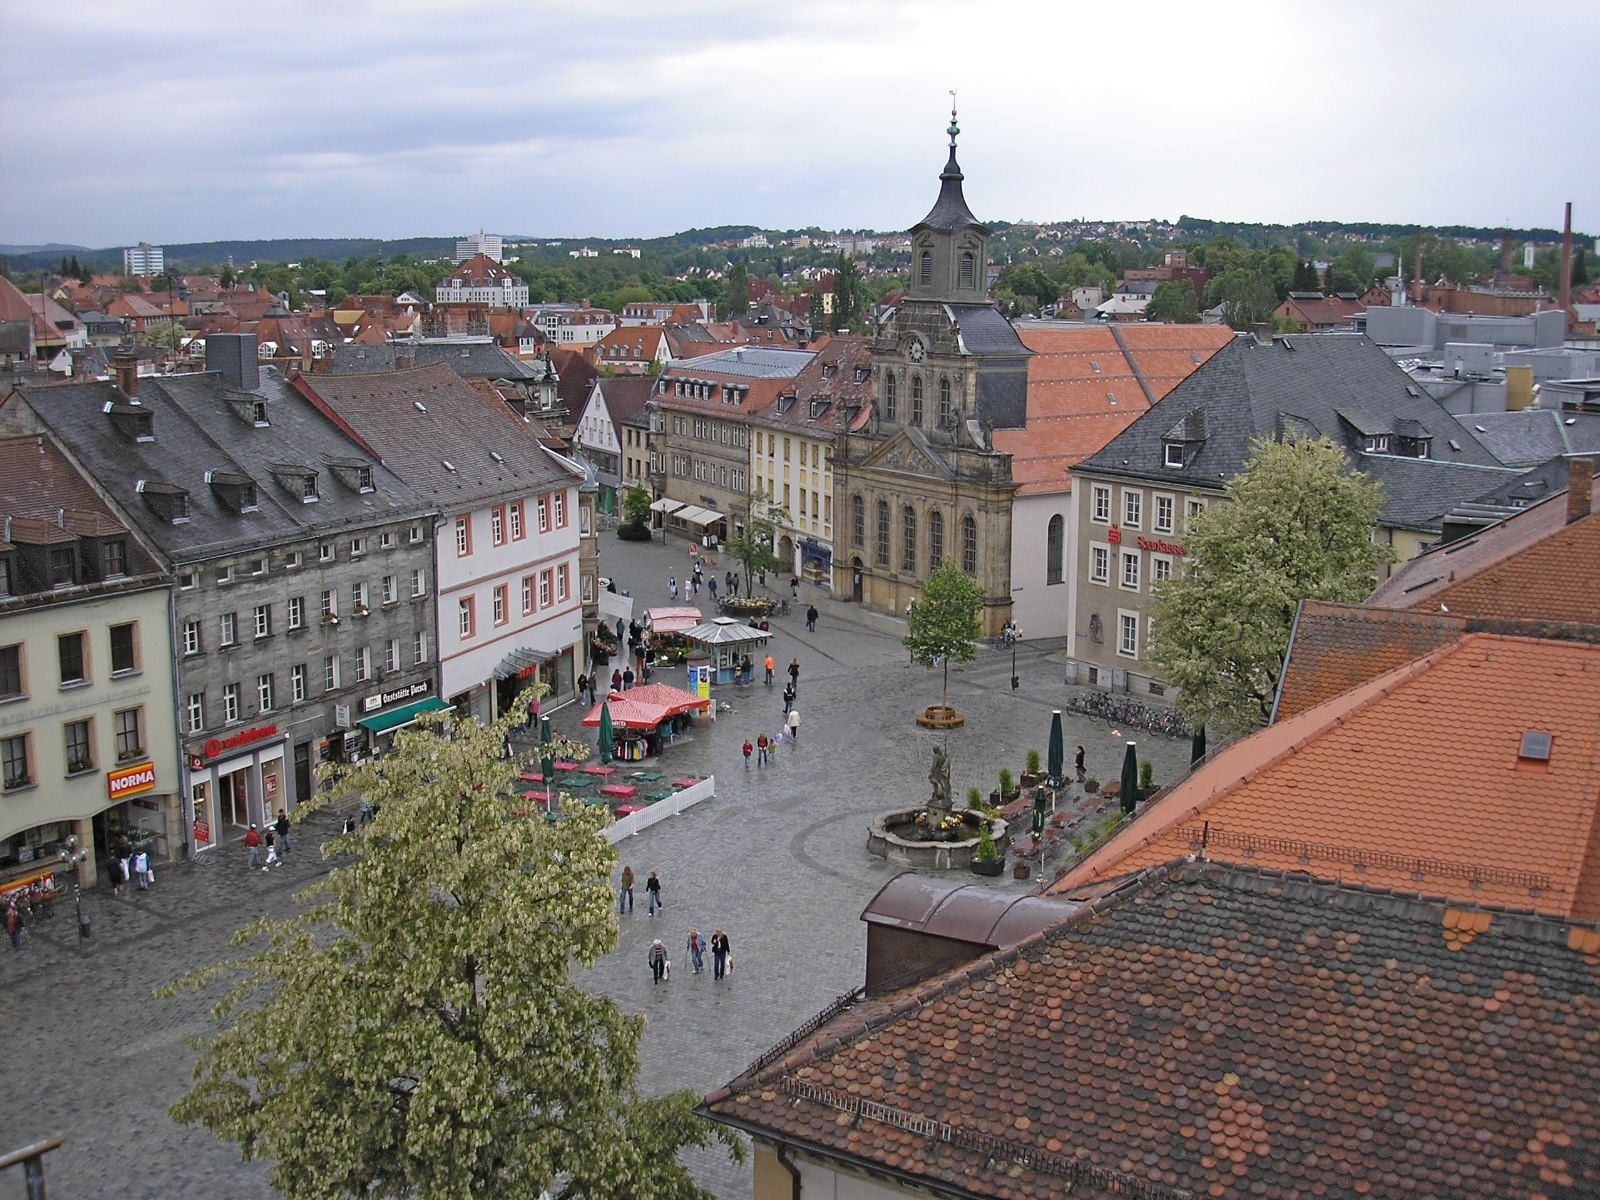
pixel 836 1006
pixel 1306 852
pixel 1060 1165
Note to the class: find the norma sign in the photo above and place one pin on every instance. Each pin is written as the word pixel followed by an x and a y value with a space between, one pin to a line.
pixel 383 699
pixel 1114 536
pixel 216 747
pixel 130 781
pixel 1160 547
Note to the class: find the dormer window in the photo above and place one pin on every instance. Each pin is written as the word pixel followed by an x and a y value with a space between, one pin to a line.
pixel 1174 455
pixel 134 421
pixel 353 473
pixel 1376 443
pixel 167 500
pixel 236 491
pixel 298 480
pixel 258 413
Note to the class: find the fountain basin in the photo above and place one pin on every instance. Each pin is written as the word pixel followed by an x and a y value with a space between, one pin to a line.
pixel 898 838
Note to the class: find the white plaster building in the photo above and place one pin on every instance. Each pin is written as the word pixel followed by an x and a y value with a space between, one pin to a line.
pixel 482 280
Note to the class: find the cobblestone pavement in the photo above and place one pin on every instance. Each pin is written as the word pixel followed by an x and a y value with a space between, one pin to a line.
pixel 777 859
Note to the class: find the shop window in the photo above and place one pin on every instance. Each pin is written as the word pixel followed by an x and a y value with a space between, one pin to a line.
pixel 70 655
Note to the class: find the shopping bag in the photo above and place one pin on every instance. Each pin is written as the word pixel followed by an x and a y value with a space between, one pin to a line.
pixel 669 968
pixel 728 970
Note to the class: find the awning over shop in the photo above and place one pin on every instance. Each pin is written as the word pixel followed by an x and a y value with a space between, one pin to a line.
pixel 688 513
pixel 614 605
pixel 524 660
pixel 406 714
pixel 815 551
pixel 672 620
pixel 666 505
pixel 701 516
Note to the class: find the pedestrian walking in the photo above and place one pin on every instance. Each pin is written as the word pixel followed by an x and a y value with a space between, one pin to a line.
pixel 658 961
pixel 269 840
pixel 114 872
pixel 620 628
pixel 788 698
pixel 794 674
pixel 125 856
pixel 616 680
pixel 762 579
pixel 652 891
pixel 712 584
pixel 697 951
pixel 721 955
pixel 583 689
pixel 625 892
pixel 770 664
pixel 141 869
pixel 811 618
pixel 763 744
pixel 733 583
pixel 794 587
pixel 1078 763
pixel 749 749
pixel 672 586
pixel 794 726
pixel 627 679
pixel 252 845
pixel 14 927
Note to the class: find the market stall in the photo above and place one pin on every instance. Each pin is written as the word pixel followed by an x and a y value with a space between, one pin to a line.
pixel 643 719
pixel 666 627
pixel 724 643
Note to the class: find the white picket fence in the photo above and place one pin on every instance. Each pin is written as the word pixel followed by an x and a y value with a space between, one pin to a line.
pixel 662 809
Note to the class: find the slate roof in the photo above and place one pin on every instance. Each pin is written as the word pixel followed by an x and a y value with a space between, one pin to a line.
pixel 985 330
pixel 626 396
pixel 1534 564
pixel 470 360
pixel 1530 487
pixel 1225 1032
pixel 1327 383
pixel 950 210
pixel 1413 779
pixel 454 446
pixel 746 362
pixel 1535 435
pixel 836 383
pixel 197 430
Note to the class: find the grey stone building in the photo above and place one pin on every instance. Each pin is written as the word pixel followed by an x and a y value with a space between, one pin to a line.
pixel 303 617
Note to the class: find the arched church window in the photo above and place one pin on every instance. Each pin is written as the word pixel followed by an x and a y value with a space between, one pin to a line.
pixel 935 539
pixel 908 544
pixel 969 545
pixel 858 520
pixel 1055 536
pixel 925 270
pixel 916 400
pixel 890 387
pixel 882 548
pixel 969 270
pixel 944 402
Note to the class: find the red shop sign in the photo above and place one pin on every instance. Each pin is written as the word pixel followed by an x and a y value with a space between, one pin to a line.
pixel 1114 536
pixel 1161 547
pixel 216 747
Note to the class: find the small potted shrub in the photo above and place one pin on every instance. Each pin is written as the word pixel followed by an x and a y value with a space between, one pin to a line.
pixel 1091 786
pixel 1147 776
pixel 987 860
pixel 1009 790
pixel 1034 775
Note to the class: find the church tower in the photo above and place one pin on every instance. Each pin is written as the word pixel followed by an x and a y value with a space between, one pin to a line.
pixel 921 483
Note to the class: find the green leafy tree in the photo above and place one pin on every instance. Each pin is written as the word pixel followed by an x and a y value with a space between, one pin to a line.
pixel 636 508
pixel 1297 525
pixel 736 292
pixel 944 624
pixel 166 333
pixel 849 304
pixel 755 536
pixel 1305 277
pixel 414 1031
pixel 1247 297
pixel 1174 302
pixel 1352 271
pixel 226 279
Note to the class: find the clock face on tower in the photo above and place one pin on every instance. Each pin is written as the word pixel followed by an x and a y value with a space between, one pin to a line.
pixel 914 351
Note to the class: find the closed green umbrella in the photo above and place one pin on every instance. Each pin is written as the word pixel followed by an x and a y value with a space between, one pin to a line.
pixel 547 764
pixel 1130 779
pixel 1058 751
pixel 1197 747
pixel 605 733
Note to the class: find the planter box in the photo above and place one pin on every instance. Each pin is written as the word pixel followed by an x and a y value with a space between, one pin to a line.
pixel 1030 779
pixel 1020 871
pixel 992 868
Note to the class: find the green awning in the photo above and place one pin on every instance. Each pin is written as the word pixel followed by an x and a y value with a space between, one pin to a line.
pixel 406 714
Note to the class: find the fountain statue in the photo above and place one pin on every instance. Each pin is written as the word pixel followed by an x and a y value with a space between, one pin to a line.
pixel 939 776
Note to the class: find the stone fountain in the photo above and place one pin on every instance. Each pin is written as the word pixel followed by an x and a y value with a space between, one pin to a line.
pixel 939 837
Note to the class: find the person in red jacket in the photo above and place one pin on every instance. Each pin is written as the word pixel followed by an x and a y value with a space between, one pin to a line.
pixel 252 843
pixel 748 751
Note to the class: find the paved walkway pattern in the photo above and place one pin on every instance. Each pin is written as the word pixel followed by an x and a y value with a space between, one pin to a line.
pixel 777 859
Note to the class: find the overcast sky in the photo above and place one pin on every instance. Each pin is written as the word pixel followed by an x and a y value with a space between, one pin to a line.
pixel 174 121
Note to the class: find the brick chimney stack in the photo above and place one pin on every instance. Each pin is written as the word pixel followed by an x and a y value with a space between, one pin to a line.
pixel 1580 488
pixel 1566 269
pixel 125 367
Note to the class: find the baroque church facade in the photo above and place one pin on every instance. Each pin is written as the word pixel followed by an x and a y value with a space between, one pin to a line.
pixel 923 483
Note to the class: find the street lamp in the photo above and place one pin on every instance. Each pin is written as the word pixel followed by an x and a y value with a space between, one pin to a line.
pixel 1013 635
pixel 72 856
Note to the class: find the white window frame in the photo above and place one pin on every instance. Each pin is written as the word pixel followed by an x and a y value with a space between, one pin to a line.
pixel 463 537
pixel 363 664
pixel 297 612
pixel 1100 552
pixel 419 648
pixel 1133 508
pixel 465 618
pixel 1100 503
pixel 1124 560
pixel 1172 451
pixel 229 630
pixel 527 594
pixel 1193 506
pixel 297 684
pixel 1162 567
pixel 263 620
pixel 1171 501
pixel 497 527
pixel 230 703
pixel 419 582
pixel 1127 619
pixel 391 588
pixel 562 584
pixel 191 638
pixel 330 673
pixel 391 655
pixel 266 686
pixel 195 712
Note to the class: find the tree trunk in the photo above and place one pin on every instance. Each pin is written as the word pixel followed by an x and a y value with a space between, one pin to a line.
pixel 944 695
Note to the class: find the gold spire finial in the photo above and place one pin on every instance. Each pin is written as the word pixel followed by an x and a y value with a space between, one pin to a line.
pixel 954 128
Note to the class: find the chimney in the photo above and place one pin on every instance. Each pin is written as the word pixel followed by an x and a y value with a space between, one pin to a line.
pixel 233 356
pixel 1416 275
pixel 125 366
pixel 1507 249
pixel 1566 270
pixel 1580 488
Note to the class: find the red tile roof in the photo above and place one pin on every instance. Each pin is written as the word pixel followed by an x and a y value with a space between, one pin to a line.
pixel 1315 312
pixel 1412 780
pixel 1535 564
pixel 1337 647
pixel 1217 1031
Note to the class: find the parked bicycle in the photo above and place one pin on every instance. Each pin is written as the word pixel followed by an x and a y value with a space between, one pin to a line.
pixel 1115 711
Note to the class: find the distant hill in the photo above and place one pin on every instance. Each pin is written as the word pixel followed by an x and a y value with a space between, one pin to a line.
pixel 192 255
pixel 57 248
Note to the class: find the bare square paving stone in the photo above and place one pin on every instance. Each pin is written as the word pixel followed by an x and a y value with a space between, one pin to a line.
pixel 777 859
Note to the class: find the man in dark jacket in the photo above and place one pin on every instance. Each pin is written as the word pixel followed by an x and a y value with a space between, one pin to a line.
pixel 281 825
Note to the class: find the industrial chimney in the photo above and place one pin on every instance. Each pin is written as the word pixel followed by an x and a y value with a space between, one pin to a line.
pixel 1566 270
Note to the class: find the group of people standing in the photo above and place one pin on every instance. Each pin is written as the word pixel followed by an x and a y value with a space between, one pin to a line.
pixel 126 865
pixel 262 849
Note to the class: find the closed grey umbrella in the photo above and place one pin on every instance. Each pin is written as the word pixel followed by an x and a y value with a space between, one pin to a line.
pixel 1058 752
pixel 1197 747
pixel 547 766
pixel 1130 779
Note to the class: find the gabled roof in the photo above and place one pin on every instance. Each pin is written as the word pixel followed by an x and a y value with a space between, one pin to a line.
pixel 481 271
pixel 625 396
pixel 1316 311
pixel 831 389
pixel 1412 779
pixel 38 484
pixel 1534 564
pixel 451 444
pixel 1336 647
pixel 470 360
pixel 1216 1031
pixel 1531 436
pixel 1306 382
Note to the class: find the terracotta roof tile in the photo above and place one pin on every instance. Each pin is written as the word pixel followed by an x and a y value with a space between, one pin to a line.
pixel 1336 647
pixel 1219 1031
pixel 1412 780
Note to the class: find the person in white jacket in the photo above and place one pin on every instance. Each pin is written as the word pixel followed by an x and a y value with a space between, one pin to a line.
pixel 794 726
